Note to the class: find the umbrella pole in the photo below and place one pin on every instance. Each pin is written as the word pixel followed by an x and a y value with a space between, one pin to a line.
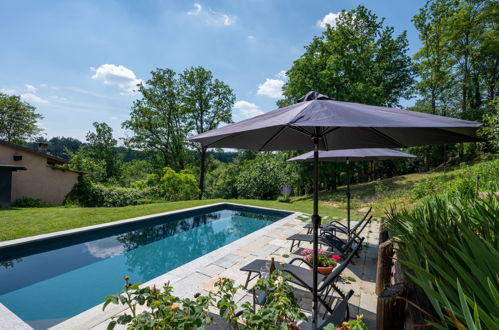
pixel 316 220
pixel 348 197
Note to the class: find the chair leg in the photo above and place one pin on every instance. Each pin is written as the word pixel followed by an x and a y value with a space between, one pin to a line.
pixel 247 280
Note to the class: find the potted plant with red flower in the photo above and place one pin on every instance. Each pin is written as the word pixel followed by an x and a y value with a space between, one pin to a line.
pixel 326 261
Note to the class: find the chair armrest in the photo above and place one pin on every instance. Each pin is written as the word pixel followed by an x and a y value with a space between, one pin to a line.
pixel 302 260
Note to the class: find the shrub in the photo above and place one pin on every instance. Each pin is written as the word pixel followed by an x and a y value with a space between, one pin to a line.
pixel 262 178
pixel 178 186
pixel 221 182
pixel 30 202
pixel 451 246
pixel 171 185
pixel 165 311
pixel 89 194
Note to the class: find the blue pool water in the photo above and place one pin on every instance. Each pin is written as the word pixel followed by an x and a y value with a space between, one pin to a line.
pixel 48 282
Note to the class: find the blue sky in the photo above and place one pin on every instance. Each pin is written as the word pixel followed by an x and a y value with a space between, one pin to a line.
pixel 77 61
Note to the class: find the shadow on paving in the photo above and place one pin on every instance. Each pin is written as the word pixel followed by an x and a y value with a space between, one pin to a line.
pixel 365 266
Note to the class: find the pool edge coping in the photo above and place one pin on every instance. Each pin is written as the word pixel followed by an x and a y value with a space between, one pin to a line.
pixel 94 316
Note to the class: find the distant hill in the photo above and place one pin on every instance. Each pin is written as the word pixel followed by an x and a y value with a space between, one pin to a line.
pixel 57 147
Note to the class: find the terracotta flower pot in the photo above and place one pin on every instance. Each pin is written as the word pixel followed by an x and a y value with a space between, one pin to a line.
pixel 325 270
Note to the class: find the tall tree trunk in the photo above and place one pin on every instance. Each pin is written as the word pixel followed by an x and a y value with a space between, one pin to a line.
pixel 202 170
pixel 334 184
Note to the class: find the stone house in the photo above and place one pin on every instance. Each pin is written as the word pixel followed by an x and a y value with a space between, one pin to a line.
pixel 25 172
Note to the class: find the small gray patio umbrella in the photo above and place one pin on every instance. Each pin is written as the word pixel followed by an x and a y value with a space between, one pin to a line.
pixel 347 155
pixel 318 122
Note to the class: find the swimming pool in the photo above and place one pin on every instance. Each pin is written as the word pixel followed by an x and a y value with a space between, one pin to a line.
pixel 49 281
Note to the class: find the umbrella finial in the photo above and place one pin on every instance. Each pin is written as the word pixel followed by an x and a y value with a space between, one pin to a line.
pixel 313 95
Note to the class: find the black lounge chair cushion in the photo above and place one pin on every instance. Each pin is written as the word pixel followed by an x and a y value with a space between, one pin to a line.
pixel 303 273
pixel 340 313
pixel 322 240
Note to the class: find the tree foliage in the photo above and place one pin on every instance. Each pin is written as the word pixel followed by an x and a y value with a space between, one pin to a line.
pixel 18 119
pixel 263 177
pixel 157 120
pixel 458 62
pixel 101 146
pixel 207 103
pixel 359 60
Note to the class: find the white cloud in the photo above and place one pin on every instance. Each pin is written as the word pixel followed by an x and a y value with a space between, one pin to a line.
pixel 30 88
pixel 281 75
pixel 58 98
pixel 247 109
pixel 33 98
pixel 329 19
pixel 105 248
pixel 8 91
pixel 210 16
pixel 197 9
pixel 251 37
pixel 271 88
pixel 117 75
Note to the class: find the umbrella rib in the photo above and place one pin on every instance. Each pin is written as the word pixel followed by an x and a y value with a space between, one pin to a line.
pixel 272 138
pixel 223 138
pixel 326 132
pixel 300 130
pixel 388 137
pixel 329 130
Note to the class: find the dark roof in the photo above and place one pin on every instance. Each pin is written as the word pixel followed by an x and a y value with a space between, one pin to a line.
pixel 69 170
pixel 54 159
pixel 12 167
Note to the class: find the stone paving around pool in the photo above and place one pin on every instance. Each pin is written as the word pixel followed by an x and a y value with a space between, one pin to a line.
pixel 201 274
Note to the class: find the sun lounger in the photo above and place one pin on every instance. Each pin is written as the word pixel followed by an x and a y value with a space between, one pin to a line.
pixel 329 240
pixel 337 225
pixel 303 277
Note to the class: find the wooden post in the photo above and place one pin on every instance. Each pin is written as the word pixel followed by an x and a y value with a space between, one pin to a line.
pixel 383 233
pixel 383 236
pixel 390 310
pixel 384 265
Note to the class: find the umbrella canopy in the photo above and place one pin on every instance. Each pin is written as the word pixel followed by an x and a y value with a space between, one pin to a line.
pixel 347 155
pixel 343 155
pixel 340 125
pixel 318 122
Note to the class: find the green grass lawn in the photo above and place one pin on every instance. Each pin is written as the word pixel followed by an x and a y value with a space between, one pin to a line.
pixel 23 222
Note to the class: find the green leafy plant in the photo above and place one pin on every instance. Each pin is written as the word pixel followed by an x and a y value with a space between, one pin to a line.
pixel 171 185
pixel 379 187
pixel 280 310
pixel 357 324
pixel 30 202
pixel 166 311
pixel 451 246
pixel 325 259
pixel 90 194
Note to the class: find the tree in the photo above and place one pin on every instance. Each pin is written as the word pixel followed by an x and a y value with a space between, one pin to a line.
pixel 101 146
pixel 18 119
pixel 158 120
pixel 434 62
pixel 207 102
pixel 458 63
pixel 263 177
pixel 356 60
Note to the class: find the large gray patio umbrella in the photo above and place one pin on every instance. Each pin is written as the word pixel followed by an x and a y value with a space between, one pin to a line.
pixel 347 155
pixel 318 122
